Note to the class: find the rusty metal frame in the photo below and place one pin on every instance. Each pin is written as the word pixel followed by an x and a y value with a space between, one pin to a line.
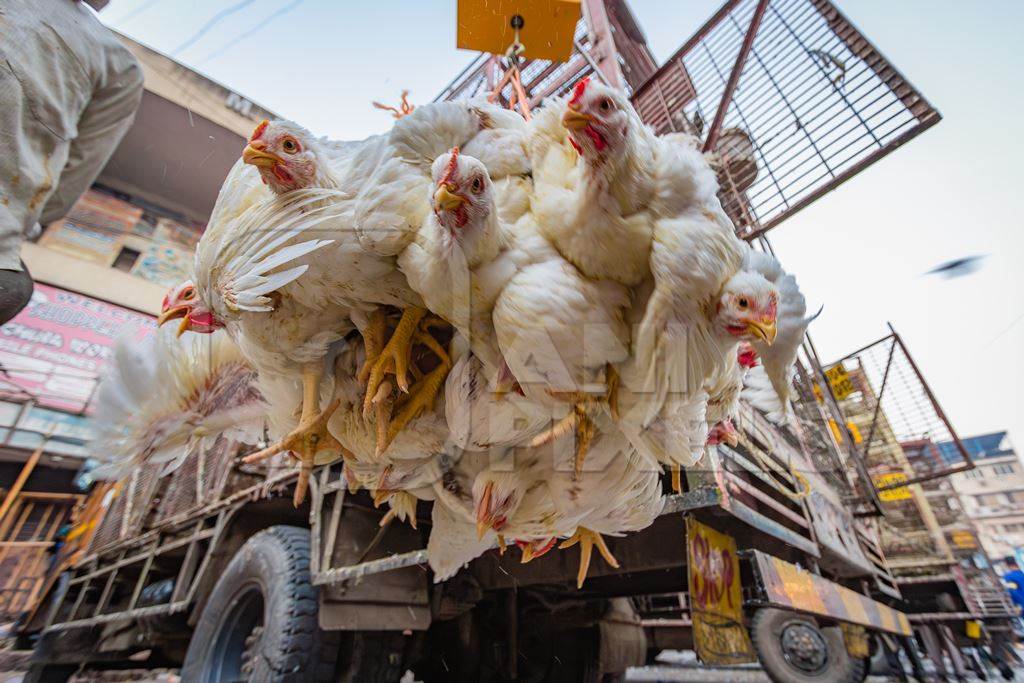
pixel 916 114
pixel 734 77
pixel 897 341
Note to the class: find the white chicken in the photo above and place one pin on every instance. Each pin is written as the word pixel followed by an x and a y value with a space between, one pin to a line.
pixel 367 196
pixel 561 333
pixel 580 259
pixel 593 209
pixel 206 392
pixel 460 260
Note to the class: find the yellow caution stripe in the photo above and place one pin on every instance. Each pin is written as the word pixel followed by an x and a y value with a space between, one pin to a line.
pixel 789 586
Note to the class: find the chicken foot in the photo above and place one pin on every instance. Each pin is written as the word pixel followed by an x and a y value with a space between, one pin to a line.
pixel 373 342
pixel 579 418
pixel 587 541
pixel 422 394
pixel 394 358
pixel 311 435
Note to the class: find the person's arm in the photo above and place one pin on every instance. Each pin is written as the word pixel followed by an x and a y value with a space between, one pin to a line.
pixel 106 119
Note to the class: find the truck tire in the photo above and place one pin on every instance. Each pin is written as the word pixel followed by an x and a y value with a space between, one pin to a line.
pixel 792 648
pixel 260 621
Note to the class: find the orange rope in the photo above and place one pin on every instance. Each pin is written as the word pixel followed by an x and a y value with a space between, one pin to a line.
pixel 513 77
pixel 403 109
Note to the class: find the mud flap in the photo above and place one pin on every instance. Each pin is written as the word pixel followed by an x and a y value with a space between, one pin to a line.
pixel 716 602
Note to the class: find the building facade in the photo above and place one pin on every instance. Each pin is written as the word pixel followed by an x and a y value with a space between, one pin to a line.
pixel 993 493
pixel 101 274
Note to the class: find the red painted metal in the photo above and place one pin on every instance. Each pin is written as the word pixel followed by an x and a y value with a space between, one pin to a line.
pixel 734 77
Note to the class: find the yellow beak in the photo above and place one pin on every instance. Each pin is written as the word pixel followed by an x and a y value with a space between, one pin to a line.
pixel 259 158
pixel 763 330
pixel 574 119
pixel 172 313
pixel 445 198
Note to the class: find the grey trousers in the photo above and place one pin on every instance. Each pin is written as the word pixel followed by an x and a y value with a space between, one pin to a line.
pixel 15 292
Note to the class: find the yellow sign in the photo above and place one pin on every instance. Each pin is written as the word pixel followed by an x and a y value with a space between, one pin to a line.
pixel 716 602
pixel 840 381
pixel 972 629
pixel 547 27
pixel 894 494
pixel 964 539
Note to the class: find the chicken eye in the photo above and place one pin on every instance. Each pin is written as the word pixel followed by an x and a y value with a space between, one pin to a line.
pixel 478 185
pixel 289 145
pixel 605 104
pixel 743 303
pixel 188 294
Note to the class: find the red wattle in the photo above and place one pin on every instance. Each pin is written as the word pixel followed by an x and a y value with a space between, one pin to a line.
pixel 599 142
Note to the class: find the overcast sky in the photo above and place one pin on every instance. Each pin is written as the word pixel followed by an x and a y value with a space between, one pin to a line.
pixel 861 250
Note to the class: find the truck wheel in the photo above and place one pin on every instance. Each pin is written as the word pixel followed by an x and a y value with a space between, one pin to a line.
pixel 792 648
pixel 260 621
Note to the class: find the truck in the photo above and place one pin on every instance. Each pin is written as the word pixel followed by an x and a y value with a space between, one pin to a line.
pixel 949 588
pixel 767 552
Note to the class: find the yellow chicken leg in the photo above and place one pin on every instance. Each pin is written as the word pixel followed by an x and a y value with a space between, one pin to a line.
pixel 310 436
pixel 394 357
pixel 373 342
pixel 578 421
pixel 422 395
pixel 611 380
pixel 677 479
pixel 587 540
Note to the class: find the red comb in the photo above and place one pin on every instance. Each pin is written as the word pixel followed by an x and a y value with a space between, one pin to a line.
pixel 449 171
pixel 577 92
pixel 258 133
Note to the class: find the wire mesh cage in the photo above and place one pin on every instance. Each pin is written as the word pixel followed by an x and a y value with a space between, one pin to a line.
pixel 909 447
pixel 896 417
pixel 788 97
pixel 791 96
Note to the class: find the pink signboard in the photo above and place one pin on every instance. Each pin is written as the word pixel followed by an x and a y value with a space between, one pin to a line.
pixel 56 348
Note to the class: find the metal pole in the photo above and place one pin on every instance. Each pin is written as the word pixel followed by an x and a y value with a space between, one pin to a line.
pixel 734 77
pixel 935 402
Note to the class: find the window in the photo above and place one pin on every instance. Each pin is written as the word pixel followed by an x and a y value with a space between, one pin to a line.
pixel 976 473
pixel 1017 497
pixel 126 259
pixel 1014 527
pixel 1005 468
pixel 991 499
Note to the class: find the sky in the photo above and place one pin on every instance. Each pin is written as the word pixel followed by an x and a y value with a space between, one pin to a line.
pixel 860 251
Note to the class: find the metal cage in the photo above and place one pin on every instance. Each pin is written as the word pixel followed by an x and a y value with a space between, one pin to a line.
pixel 795 92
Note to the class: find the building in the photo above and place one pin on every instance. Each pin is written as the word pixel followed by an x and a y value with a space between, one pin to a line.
pixel 993 493
pixel 101 273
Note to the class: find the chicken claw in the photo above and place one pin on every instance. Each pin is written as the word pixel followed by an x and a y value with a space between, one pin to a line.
pixel 394 357
pixel 588 540
pixel 305 441
pixel 420 399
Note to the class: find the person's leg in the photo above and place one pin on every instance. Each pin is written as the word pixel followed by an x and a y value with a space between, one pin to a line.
pixel 15 292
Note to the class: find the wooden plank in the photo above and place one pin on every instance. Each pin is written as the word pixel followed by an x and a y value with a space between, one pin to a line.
pixel 23 476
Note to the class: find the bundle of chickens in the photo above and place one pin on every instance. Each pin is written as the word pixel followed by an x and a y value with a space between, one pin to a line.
pixel 528 323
